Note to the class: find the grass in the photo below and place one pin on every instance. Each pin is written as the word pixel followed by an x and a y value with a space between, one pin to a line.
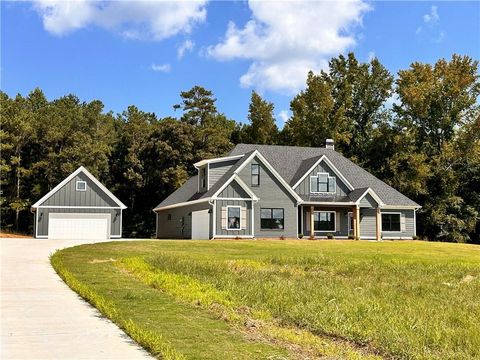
pixel 286 299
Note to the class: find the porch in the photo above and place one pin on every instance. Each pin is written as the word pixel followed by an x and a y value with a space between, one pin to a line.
pixel 341 221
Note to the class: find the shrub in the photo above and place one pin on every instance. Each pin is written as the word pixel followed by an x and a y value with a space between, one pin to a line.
pixel 415 237
pixel 351 237
pixel 312 237
pixel 282 237
pixel 330 236
pixel 300 236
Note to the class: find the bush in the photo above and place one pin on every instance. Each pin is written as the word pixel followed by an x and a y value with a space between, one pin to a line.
pixel 415 237
pixel 300 236
pixel 351 237
pixel 282 237
pixel 330 236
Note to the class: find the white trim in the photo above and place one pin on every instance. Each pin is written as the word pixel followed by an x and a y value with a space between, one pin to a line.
pixel 301 219
pixel 41 237
pixel 372 194
pixel 121 223
pixel 78 207
pixel 107 216
pixel 36 224
pixel 214 220
pixel 414 222
pixel 334 222
pixel 80 182
pixel 330 164
pixel 115 236
pixel 231 198
pixel 400 222
pixel 181 204
pixel 252 216
pixel 240 218
pixel 326 203
pixel 401 207
pixel 207 177
pixel 328 182
pixel 296 219
pixel 70 177
pixel 215 160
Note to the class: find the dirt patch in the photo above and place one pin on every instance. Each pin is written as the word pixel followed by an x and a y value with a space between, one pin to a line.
pixel 100 261
pixel 13 236
pixel 467 279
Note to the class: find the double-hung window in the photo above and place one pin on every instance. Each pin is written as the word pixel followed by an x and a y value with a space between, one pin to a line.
pixel 391 222
pixel 255 175
pixel 271 219
pixel 324 220
pixel 233 217
pixel 322 183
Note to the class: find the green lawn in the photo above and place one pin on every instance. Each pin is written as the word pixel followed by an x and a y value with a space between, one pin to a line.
pixel 285 299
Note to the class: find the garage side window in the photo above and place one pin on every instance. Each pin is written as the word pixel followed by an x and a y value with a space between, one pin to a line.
pixel 81 185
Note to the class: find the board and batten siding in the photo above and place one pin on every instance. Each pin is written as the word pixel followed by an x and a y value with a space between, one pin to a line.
pixel 234 190
pixel 409 227
pixel 179 226
pixel 42 216
pixel 304 187
pixel 246 228
pixel 368 201
pixel 68 196
pixel 271 194
pixel 217 170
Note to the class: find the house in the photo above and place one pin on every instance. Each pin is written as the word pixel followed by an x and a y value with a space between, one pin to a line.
pixel 265 191
pixel 80 207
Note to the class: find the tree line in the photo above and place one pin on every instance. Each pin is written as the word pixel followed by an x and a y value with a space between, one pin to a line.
pixel 418 131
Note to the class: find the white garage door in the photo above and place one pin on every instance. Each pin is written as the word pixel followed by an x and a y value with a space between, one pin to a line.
pixel 200 225
pixel 79 226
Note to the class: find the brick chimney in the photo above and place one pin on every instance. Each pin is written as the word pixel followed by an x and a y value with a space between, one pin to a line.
pixel 330 144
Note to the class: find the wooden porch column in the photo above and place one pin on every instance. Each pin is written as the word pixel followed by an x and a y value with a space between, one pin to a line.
pixel 354 218
pixel 312 222
pixel 356 222
pixel 379 224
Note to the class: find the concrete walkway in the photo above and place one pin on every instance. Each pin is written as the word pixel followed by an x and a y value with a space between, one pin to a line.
pixel 41 318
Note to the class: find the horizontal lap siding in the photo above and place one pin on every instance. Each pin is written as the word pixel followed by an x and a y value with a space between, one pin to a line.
pixel 174 229
pixel 217 170
pixel 409 225
pixel 224 203
pixel 43 215
pixel 68 196
pixel 272 194
pixel 368 223
pixel 304 187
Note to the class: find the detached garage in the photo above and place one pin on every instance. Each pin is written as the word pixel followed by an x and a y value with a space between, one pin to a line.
pixel 79 208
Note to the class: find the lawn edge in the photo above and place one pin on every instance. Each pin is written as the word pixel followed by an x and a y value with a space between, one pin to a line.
pixel 153 343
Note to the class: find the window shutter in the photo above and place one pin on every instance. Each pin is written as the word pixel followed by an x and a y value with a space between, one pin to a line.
pixel 402 222
pixel 337 221
pixel 243 218
pixel 332 184
pixel 224 218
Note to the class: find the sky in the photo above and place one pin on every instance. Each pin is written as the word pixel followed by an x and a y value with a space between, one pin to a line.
pixel 145 53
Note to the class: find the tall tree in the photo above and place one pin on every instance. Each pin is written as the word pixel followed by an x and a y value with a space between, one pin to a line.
pixel 262 128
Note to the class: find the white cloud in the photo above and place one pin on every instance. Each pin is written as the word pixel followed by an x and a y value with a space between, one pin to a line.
pixel 153 19
pixel 186 46
pixel 161 67
pixel 284 115
pixel 430 29
pixel 432 16
pixel 286 39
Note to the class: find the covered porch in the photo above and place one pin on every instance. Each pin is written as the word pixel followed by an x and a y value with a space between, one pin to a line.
pixel 341 221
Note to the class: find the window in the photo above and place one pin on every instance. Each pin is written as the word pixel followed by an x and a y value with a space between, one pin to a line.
pixel 271 219
pixel 390 222
pixel 233 217
pixel 324 220
pixel 81 185
pixel 255 174
pixel 204 177
pixel 323 183
pixel 350 222
pixel 169 217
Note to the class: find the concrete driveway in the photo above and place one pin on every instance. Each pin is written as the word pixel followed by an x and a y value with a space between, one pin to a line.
pixel 41 318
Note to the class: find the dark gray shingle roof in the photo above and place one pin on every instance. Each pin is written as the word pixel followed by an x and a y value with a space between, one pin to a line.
pixel 290 161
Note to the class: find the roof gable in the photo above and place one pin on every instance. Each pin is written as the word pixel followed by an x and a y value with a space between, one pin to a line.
pixel 65 194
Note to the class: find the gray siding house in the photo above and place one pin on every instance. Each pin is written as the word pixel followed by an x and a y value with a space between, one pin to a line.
pixel 267 191
pixel 80 207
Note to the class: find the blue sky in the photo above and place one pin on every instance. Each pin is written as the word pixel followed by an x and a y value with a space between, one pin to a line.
pixel 145 53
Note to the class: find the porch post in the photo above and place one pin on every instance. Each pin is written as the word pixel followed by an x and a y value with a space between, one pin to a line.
pixel 312 221
pixel 354 216
pixel 378 218
pixel 357 222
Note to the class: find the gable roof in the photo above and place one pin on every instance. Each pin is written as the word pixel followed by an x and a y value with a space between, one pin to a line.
pixel 290 161
pixel 81 169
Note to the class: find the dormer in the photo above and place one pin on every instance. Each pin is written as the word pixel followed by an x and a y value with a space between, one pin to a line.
pixel 211 170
